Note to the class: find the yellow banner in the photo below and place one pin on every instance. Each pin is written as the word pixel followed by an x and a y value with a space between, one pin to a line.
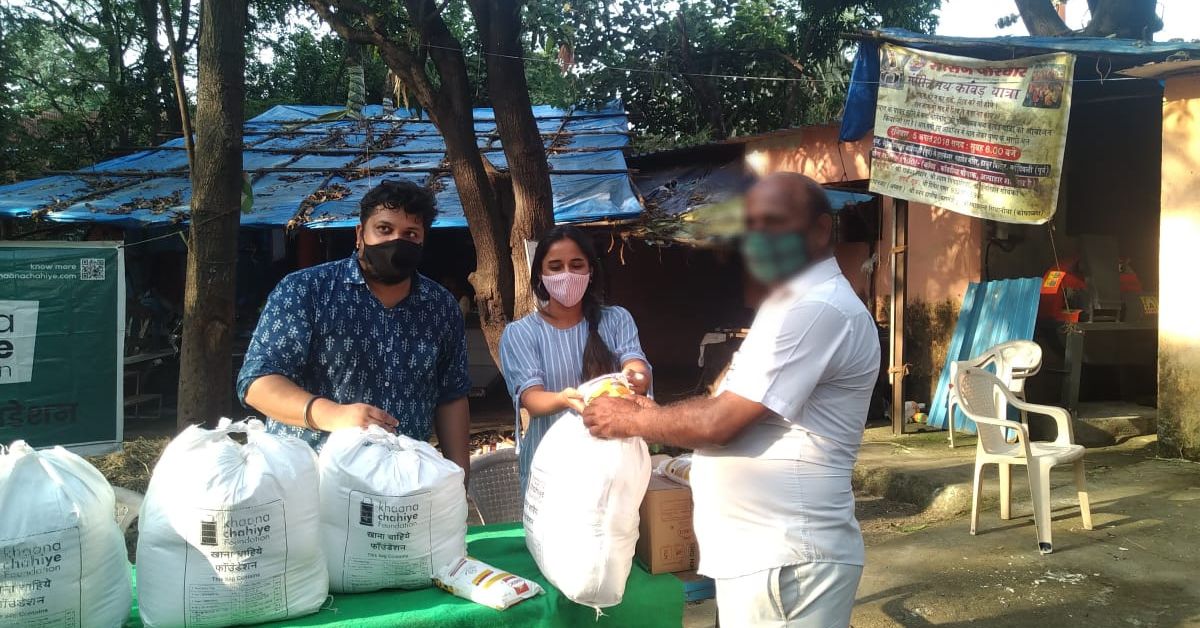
pixel 982 138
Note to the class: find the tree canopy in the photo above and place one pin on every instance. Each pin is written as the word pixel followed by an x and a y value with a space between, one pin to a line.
pixel 82 79
pixel 678 71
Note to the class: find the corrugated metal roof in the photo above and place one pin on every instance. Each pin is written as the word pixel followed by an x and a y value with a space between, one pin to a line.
pixel 992 312
pixel 313 172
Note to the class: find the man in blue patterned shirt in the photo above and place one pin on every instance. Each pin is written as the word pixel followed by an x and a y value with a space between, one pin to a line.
pixel 366 340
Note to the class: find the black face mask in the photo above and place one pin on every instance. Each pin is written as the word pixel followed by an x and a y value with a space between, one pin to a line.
pixel 390 262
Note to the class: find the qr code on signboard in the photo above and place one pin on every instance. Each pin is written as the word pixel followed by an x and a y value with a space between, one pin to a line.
pixel 91 269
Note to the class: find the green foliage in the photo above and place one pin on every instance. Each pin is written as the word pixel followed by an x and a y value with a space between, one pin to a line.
pixel 76 87
pixel 56 80
pixel 305 69
pixel 654 142
pixel 639 52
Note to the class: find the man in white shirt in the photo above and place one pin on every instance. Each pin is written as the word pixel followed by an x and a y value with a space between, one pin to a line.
pixel 774 511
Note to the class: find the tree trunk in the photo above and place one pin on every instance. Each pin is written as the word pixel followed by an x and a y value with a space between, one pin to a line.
pixel 206 368
pixel 448 102
pixel 1128 19
pixel 452 113
pixel 499 22
pixel 1041 19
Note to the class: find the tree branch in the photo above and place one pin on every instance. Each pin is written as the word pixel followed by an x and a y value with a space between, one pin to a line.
pixel 71 19
pixel 44 87
pixel 324 9
pixel 185 18
pixel 398 58
pixel 1041 19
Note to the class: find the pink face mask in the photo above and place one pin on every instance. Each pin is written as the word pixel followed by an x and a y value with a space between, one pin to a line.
pixel 566 288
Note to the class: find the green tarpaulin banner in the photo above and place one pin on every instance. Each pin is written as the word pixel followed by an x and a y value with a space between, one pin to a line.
pixel 62 330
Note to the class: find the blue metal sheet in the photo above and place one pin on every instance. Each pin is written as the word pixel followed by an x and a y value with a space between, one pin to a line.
pixel 992 312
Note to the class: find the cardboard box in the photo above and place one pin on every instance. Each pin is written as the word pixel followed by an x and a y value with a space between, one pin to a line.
pixel 666 539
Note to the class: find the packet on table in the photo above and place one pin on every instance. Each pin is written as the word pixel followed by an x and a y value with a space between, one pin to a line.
pixel 484 584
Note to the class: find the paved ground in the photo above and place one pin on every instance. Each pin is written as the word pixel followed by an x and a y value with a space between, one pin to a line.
pixel 1140 566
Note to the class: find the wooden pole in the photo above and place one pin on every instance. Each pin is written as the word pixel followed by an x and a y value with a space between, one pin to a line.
pixel 185 115
pixel 899 301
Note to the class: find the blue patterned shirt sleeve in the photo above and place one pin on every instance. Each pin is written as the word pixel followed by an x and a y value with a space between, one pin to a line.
pixel 324 330
pixel 454 381
pixel 282 338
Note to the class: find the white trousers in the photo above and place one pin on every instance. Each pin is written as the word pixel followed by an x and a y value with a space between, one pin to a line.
pixel 808 595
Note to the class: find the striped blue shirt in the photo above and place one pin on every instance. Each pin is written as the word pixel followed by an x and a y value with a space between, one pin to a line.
pixel 535 353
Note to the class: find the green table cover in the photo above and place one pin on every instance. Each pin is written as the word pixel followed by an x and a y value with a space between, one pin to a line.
pixel 649 600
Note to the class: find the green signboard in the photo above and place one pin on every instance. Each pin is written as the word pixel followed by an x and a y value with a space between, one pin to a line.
pixel 62 331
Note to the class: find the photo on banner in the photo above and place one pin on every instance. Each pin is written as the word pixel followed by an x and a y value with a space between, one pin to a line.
pixel 981 138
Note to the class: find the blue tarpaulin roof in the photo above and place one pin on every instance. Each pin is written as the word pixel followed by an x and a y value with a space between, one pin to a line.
pixel 313 172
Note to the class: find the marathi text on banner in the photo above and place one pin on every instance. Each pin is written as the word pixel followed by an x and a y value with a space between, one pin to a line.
pixel 982 138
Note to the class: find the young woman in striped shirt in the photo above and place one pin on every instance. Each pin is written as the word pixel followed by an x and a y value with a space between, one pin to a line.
pixel 571 338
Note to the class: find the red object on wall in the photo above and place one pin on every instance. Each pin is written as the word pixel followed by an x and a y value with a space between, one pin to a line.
pixel 1053 302
pixel 1064 276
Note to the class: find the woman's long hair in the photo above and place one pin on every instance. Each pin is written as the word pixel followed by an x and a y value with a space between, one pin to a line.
pixel 597 358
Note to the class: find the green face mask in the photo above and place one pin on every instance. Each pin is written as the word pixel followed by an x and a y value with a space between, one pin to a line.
pixel 773 257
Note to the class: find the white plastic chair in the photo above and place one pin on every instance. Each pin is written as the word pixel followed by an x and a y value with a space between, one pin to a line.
pixel 1015 361
pixel 982 397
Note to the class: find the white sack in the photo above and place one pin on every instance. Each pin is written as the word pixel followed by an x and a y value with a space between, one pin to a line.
pixel 581 510
pixel 393 511
pixel 228 533
pixel 62 555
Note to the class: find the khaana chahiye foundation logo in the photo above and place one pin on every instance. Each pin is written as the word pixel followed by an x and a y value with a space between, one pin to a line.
pixel 18 340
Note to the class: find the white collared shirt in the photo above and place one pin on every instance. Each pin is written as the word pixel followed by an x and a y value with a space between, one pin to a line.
pixel 780 494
